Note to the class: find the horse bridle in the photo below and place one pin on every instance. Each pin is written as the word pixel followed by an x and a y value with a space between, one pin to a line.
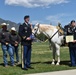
pixel 55 33
pixel 47 34
pixel 36 31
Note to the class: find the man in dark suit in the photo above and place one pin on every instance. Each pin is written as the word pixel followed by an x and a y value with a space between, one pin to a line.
pixel 25 32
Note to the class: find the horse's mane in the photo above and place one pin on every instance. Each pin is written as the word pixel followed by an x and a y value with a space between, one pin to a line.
pixel 47 27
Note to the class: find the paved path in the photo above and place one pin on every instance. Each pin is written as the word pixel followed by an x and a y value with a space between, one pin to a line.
pixel 67 72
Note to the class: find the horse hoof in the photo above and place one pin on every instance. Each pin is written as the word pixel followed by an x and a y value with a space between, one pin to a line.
pixel 57 64
pixel 53 63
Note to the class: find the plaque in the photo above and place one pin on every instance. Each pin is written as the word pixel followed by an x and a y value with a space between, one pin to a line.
pixel 69 38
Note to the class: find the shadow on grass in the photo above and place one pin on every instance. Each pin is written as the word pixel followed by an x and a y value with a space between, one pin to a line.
pixel 19 65
pixel 61 63
pixel 9 63
pixel 49 62
pixel 35 62
pixel 65 63
pixel 1 64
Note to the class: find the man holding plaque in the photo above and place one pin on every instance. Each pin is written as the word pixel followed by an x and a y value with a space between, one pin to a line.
pixel 71 40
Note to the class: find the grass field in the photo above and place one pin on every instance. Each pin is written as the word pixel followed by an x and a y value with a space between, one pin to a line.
pixel 41 61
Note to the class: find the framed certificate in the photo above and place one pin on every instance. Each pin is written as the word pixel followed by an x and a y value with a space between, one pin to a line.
pixel 69 38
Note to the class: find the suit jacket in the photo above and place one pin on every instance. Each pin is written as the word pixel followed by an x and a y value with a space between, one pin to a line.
pixel 24 32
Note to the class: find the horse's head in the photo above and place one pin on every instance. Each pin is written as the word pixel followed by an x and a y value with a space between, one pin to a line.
pixel 36 30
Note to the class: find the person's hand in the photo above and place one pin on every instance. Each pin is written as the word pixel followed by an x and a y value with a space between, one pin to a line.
pixel 28 38
pixel 24 37
pixel 6 43
pixel 74 41
pixel 66 42
pixel 16 44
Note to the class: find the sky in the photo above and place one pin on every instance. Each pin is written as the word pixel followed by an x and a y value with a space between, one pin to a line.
pixel 40 11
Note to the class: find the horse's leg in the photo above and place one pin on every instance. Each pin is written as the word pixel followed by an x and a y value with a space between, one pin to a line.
pixel 58 53
pixel 54 52
pixel 51 45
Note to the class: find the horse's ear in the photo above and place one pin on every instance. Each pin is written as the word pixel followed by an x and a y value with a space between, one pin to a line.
pixel 38 24
pixel 59 24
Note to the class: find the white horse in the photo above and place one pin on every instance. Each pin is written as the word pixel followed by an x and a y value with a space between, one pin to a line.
pixel 52 33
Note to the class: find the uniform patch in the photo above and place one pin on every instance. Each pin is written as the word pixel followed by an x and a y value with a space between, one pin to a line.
pixel 26 31
pixel 69 30
pixel 3 33
pixel 25 27
pixel 75 30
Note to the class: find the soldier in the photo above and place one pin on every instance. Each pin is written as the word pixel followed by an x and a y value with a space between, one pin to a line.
pixel 25 32
pixel 5 44
pixel 15 40
pixel 71 30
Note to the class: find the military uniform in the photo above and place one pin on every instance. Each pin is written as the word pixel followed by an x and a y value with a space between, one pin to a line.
pixel 25 31
pixel 72 46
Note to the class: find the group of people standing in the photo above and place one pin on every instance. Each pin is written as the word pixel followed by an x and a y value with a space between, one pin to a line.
pixel 10 41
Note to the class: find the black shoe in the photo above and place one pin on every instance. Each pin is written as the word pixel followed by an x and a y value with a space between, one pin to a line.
pixel 30 67
pixel 24 69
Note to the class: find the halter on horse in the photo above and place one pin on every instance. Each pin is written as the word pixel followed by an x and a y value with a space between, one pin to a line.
pixel 59 27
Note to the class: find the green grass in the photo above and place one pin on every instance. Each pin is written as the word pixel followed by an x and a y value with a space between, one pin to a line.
pixel 41 61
